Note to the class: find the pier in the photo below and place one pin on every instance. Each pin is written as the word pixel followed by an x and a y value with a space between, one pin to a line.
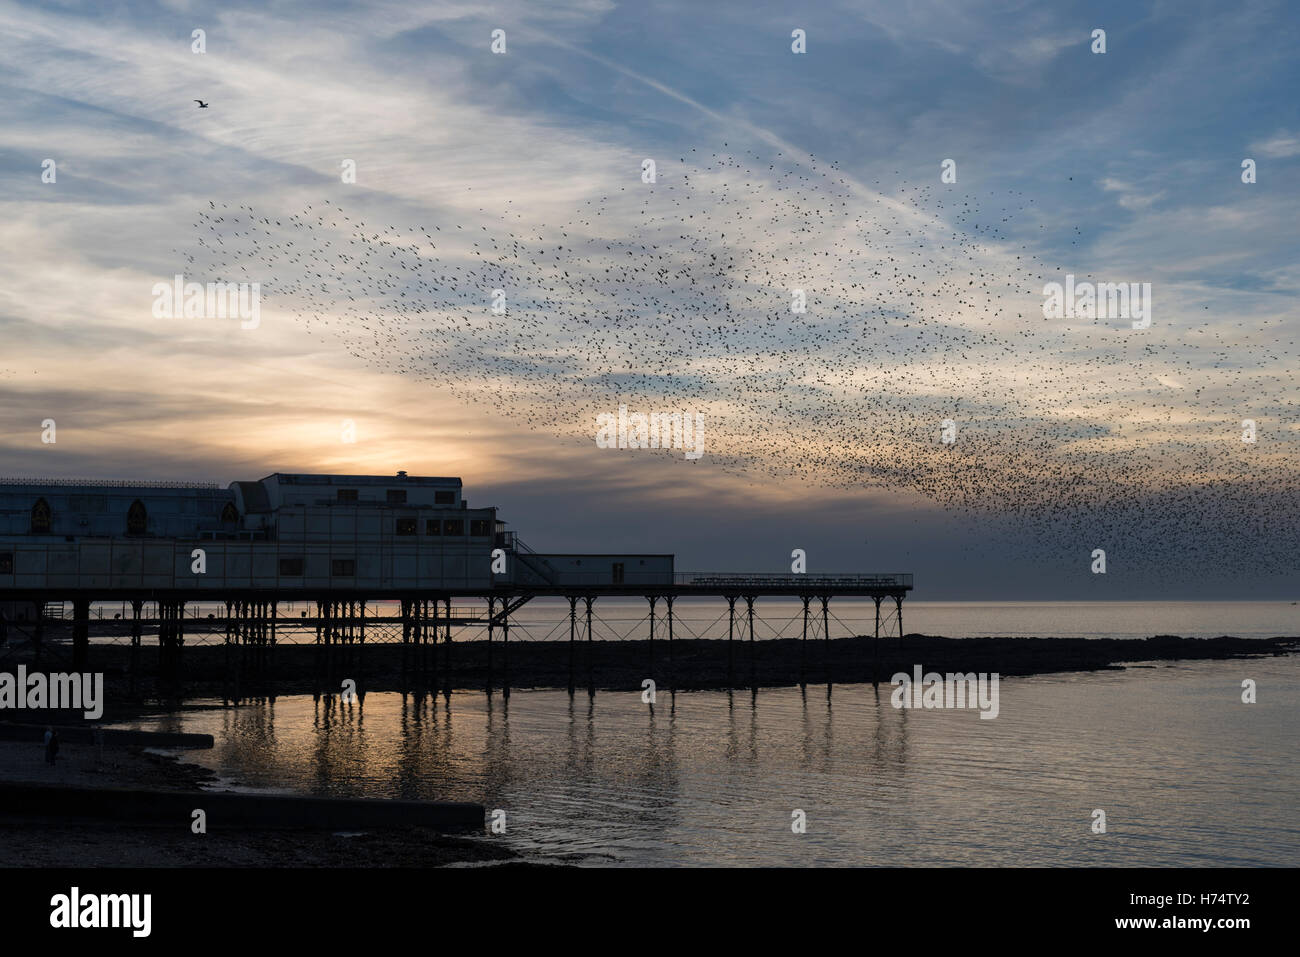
pixel 348 563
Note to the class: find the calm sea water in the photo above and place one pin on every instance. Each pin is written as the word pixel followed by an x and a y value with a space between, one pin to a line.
pixel 1186 773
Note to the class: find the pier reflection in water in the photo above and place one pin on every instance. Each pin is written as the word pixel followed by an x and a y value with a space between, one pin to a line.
pixel 1186 773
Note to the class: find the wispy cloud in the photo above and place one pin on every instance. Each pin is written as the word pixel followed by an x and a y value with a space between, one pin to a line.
pixel 1097 165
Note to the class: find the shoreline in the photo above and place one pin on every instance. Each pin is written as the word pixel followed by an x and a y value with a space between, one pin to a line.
pixel 29 840
pixel 133 684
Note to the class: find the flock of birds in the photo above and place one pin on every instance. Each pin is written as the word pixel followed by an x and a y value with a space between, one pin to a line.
pixel 679 295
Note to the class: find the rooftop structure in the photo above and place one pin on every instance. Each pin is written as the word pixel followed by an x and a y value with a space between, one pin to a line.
pixel 290 533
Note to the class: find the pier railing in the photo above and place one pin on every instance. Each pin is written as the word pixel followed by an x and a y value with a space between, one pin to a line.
pixel 703 583
pixel 770 579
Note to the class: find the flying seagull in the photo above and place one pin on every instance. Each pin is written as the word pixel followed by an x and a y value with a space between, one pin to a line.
pixel 202 105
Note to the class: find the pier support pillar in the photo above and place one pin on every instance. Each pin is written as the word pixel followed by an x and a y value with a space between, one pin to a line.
pixel 753 677
pixel 268 651
pixel 492 610
pixel 803 642
pixel 731 634
pixel 591 668
pixel 164 640
pixel 652 599
pixel 228 690
pixel 505 647
pixel 573 628
pixel 826 637
pixel 417 647
pixel 898 600
pixel 333 639
pixel 171 637
pixel 431 630
pixel 38 633
pixel 875 645
pixel 180 633
pixel 672 677
pixel 80 633
pixel 446 647
pixel 136 629
pixel 406 634
pixel 321 638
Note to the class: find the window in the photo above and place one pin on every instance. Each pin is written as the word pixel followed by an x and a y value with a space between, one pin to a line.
pixel 406 526
pixel 433 526
pixel 137 519
pixel 6 563
pixel 347 495
pixel 229 513
pixel 291 567
pixel 345 567
pixel 453 526
pixel 397 496
pixel 41 517
pixel 444 498
pixel 480 527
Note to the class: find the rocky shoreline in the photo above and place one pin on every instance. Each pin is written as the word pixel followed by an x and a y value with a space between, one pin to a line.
pixel 234 673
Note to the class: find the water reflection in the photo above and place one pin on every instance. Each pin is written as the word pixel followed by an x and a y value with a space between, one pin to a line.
pixel 1186 772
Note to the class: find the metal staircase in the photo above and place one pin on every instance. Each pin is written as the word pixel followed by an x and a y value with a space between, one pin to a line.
pixel 532 569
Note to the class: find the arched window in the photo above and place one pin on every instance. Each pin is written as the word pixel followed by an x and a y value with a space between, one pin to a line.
pixel 136 518
pixel 41 517
pixel 230 513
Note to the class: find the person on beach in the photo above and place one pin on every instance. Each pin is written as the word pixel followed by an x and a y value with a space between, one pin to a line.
pixel 51 745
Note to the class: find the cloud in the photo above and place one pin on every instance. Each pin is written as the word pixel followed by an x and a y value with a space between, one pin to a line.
pixel 445 133
pixel 1280 146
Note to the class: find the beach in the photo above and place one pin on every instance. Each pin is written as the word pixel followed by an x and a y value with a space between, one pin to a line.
pixel 38 841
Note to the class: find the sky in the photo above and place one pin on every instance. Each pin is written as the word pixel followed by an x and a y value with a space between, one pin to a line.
pixel 819 170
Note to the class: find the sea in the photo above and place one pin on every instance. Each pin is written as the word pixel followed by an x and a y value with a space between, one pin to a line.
pixel 1184 763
